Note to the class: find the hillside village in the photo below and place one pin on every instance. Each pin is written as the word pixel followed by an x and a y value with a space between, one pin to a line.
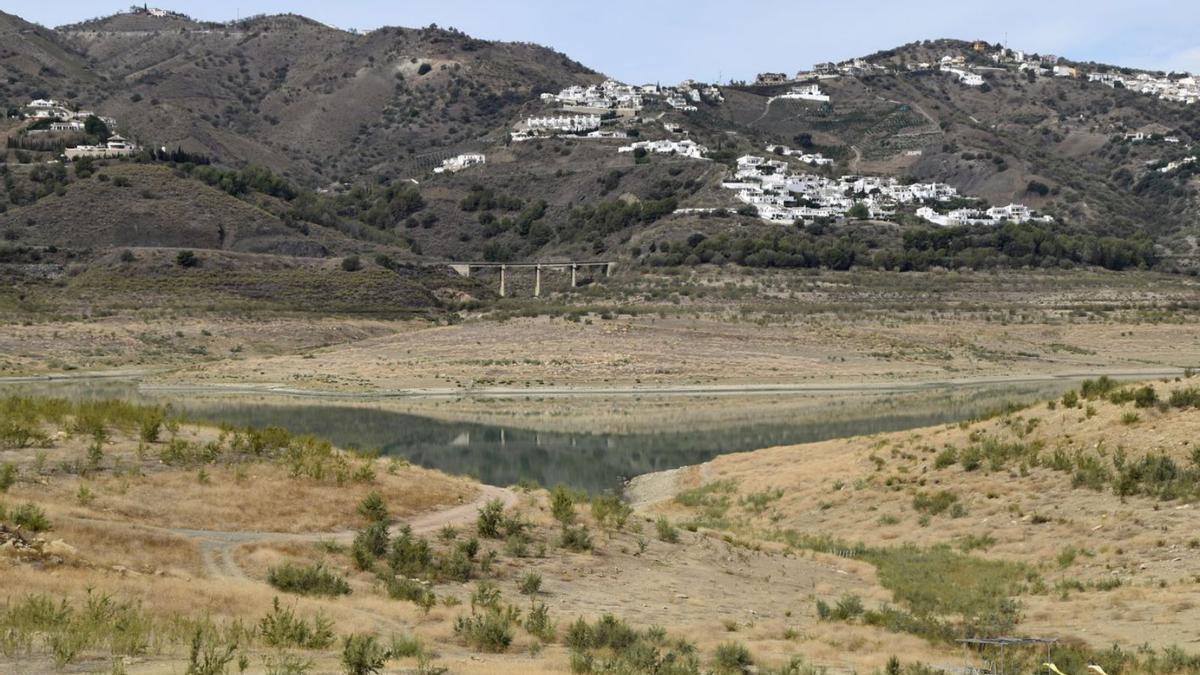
pixel 63 124
pixel 785 186
pixel 1174 87
pixel 785 197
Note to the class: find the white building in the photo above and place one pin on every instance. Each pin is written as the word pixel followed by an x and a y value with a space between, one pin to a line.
pixel 115 147
pixel 460 162
pixel 563 123
pixel 807 92
pixel 684 148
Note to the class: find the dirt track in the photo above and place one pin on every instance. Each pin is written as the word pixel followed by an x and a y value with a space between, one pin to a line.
pixel 217 547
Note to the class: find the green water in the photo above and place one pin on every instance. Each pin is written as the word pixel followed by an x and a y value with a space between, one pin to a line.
pixel 503 455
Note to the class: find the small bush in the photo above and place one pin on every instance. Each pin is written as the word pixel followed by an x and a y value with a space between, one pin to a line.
pixel 30 517
pixel 373 508
pixel 732 657
pixel 945 458
pixel 8 476
pixel 351 263
pixel 538 622
pixel 490 631
pixel 310 580
pixel 363 655
pixel 575 538
pixel 282 628
pixel 491 518
pixel 666 531
pixel 935 503
pixel 562 505
pixel 531 583
pixel 187 259
pixel 1145 397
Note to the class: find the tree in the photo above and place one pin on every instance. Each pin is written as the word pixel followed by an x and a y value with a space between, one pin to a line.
pixel 187 259
pixel 858 212
pixel 94 126
pixel 351 263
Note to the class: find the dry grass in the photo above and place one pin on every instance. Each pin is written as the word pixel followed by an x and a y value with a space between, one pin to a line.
pixel 862 490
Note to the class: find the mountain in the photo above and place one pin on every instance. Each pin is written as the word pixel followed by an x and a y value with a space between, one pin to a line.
pixel 323 142
pixel 311 102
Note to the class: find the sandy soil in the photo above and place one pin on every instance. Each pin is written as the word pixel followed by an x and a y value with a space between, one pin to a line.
pixel 538 355
pixel 862 489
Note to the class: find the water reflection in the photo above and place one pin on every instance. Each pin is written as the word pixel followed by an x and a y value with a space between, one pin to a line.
pixel 503 455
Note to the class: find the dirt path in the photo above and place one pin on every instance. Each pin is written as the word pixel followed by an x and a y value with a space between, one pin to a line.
pixel 217 547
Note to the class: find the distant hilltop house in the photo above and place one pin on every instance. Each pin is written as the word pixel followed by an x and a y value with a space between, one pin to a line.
pixel 116 146
pixel 539 127
pixel 965 77
pixel 1182 90
pixel 460 162
pixel 812 159
pixel 808 92
pixel 153 11
pixel 1178 164
pixel 771 78
pixel 563 123
pixel 50 109
pixel 684 148
pixel 1013 213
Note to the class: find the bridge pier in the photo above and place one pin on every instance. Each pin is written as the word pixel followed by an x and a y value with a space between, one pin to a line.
pixel 502 268
pixel 537 284
pixel 574 269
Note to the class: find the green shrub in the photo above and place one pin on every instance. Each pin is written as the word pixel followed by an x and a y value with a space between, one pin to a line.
pixel 405 646
pixel 1145 397
pixel 8 476
pixel 538 622
pixel 373 508
pixel 282 628
pixel 575 538
pixel 363 655
pixel 934 504
pixel 491 518
pixel 1185 398
pixel 531 583
pixel 1070 399
pixel 562 505
pixel 410 555
pixel 184 258
pixel 945 458
pixel 151 426
pixel 490 631
pixel 307 580
pixel 666 531
pixel 732 657
pixel 610 512
pixel 30 517
pixel 373 539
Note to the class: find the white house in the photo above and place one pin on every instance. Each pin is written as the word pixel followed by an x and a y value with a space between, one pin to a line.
pixel 808 92
pixel 460 162
pixel 115 147
pixel 685 148
pixel 563 123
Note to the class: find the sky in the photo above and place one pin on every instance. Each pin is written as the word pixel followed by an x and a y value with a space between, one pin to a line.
pixel 642 41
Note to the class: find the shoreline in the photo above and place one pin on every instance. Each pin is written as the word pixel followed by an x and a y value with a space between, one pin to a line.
pixel 585 391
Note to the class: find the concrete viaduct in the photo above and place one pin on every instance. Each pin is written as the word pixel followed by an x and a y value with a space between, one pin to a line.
pixel 464 268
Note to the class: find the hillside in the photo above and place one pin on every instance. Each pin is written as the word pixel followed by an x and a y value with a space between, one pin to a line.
pixel 1070 519
pixel 312 102
pixel 351 126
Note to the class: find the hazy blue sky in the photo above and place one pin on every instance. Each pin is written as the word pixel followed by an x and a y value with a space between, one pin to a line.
pixel 669 40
